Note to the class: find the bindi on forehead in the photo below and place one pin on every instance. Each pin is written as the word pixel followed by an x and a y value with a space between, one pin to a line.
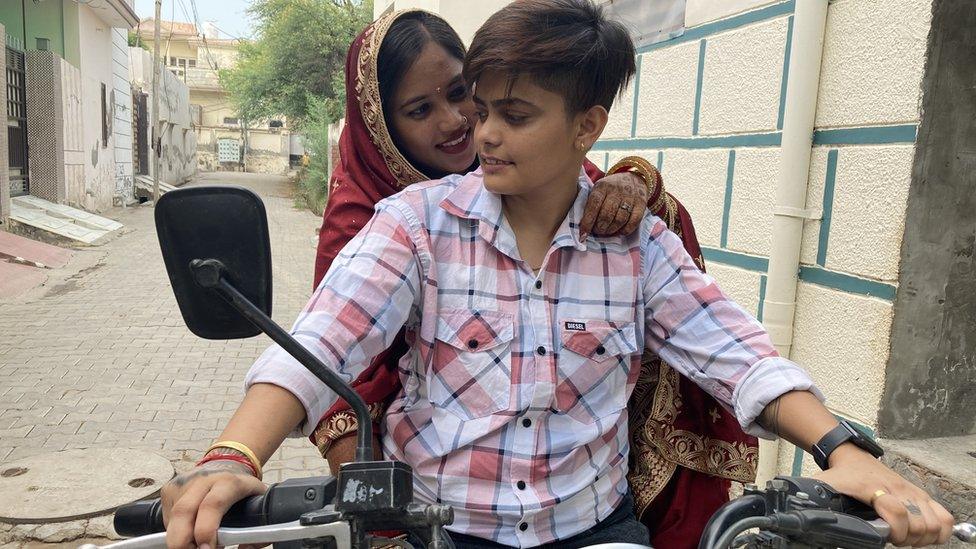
pixel 422 91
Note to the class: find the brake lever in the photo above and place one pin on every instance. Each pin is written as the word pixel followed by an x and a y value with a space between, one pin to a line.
pixel 271 533
pixel 964 531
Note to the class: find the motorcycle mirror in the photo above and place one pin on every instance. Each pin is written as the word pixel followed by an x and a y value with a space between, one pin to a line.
pixel 228 226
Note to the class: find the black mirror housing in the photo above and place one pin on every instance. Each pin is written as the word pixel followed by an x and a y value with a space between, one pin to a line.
pixel 227 224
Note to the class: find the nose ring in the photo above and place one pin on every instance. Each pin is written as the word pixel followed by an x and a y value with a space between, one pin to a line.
pixel 464 119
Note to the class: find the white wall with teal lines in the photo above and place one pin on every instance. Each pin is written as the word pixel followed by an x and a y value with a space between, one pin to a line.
pixel 707 109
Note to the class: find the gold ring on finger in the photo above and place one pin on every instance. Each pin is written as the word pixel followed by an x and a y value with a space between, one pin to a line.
pixel 877 494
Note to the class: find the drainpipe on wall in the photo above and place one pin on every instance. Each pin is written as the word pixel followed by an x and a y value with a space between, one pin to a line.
pixel 779 306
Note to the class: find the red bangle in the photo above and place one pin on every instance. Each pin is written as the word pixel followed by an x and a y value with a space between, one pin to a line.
pixel 228 457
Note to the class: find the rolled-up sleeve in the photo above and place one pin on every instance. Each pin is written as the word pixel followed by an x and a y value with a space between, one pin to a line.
pixel 356 312
pixel 694 327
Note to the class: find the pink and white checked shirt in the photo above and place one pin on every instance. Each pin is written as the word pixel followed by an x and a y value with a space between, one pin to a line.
pixel 513 408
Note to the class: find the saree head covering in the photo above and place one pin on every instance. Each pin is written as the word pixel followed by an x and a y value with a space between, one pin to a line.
pixel 370 166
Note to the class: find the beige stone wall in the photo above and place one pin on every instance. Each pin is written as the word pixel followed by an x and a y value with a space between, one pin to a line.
pixel 267 151
pixel 261 162
pixel 707 108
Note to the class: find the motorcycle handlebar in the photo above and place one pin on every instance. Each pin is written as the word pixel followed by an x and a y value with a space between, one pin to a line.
pixel 146 517
pixel 283 502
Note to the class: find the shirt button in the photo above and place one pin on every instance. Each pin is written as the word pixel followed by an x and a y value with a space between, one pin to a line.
pixel 541 351
pixel 523 526
pixel 538 284
pixel 526 422
pixel 473 343
pixel 520 484
pixel 599 350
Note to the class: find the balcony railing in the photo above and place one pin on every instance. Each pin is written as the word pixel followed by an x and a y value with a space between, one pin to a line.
pixel 202 78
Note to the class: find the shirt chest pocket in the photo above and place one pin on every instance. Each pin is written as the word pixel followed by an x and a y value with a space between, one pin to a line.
pixel 593 367
pixel 470 373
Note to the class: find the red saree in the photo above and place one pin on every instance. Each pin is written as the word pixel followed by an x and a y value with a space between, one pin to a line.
pixel 685 448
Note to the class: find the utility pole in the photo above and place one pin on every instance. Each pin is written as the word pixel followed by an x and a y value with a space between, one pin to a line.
pixel 157 138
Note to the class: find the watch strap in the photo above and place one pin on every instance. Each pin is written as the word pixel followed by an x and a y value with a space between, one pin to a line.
pixel 828 443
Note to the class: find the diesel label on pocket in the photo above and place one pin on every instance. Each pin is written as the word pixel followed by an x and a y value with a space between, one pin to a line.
pixel 578 326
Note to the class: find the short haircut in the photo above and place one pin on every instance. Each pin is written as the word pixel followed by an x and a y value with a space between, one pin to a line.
pixel 568 47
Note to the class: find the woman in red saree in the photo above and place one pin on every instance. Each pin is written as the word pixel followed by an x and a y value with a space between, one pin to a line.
pixel 685 448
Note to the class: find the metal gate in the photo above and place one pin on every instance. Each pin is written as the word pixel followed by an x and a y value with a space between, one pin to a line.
pixel 228 150
pixel 17 122
pixel 140 124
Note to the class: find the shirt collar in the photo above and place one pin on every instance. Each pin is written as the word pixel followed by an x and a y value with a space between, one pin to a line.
pixel 470 200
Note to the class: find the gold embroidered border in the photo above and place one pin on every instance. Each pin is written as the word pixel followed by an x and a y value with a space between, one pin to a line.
pixel 342 423
pixel 648 475
pixel 657 447
pixel 371 105
pixel 733 461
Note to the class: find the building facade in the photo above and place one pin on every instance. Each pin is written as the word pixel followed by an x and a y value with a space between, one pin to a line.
pixel 68 100
pixel 224 141
pixel 887 230
pixel 177 136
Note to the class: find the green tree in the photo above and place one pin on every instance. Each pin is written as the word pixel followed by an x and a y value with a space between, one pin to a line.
pixel 313 185
pixel 135 41
pixel 295 68
pixel 297 57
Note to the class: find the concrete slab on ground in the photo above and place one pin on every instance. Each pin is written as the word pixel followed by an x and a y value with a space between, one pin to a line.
pixel 16 280
pixel 943 467
pixel 61 220
pixel 144 186
pixel 950 457
pixel 75 484
pixel 77 216
pixel 38 254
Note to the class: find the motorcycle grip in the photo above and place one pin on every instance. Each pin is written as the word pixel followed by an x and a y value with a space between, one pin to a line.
pixel 146 517
pixel 283 502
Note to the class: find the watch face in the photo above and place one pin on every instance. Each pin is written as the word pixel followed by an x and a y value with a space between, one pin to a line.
pixel 864 440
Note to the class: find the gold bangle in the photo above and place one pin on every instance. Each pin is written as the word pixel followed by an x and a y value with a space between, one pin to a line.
pixel 646 171
pixel 242 448
pixel 343 423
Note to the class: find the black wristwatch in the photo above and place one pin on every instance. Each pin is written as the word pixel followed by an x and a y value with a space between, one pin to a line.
pixel 845 432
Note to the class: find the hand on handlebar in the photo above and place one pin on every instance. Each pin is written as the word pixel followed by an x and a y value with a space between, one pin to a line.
pixel 916 519
pixel 194 502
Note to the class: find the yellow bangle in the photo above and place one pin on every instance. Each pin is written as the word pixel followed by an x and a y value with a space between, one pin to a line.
pixel 646 171
pixel 242 448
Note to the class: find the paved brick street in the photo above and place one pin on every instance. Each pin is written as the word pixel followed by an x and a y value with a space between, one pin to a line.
pixel 100 358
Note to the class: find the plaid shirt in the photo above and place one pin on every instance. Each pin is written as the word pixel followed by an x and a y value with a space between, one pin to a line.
pixel 513 408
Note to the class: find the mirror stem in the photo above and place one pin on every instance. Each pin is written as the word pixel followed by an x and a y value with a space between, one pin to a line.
pixel 209 273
